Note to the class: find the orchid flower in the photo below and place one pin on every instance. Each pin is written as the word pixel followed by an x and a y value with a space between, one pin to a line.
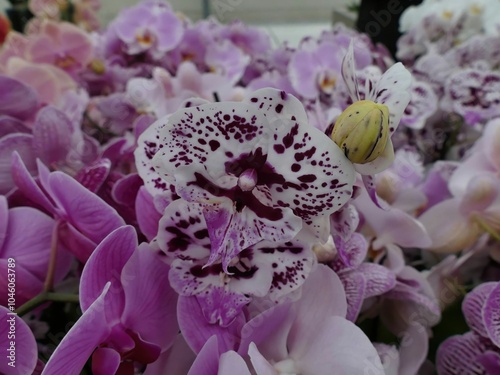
pixel 85 218
pixel 128 310
pixel 479 348
pixel 230 158
pixel 150 26
pixel 474 206
pixel 285 339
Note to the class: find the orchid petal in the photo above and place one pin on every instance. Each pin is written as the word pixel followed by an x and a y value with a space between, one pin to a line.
pixel 105 361
pixel 105 265
pixel 231 363
pixel 207 360
pixel 473 306
pixel 17 160
pixel 150 302
pixel 339 345
pixel 52 134
pixel 24 345
pixel 86 211
pixel 82 339
pixel 196 330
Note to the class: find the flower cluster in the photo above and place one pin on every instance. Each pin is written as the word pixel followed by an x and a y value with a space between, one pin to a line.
pixel 182 197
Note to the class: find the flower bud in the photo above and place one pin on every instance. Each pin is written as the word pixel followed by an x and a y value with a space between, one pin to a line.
pixel 362 131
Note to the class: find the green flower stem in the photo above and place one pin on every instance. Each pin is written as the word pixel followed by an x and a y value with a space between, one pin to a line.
pixel 48 286
pixel 46 297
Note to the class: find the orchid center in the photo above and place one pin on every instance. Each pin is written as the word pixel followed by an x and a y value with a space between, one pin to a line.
pixel 248 179
pixel 327 81
pixel 65 61
pixel 145 38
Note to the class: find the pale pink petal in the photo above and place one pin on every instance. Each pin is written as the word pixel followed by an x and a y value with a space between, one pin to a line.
pixel 413 349
pixel 231 363
pixel 339 345
pixel 259 363
pixel 449 230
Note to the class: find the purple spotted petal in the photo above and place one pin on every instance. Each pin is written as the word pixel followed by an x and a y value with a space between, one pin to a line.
pixel 251 275
pixel 459 355
pixel 189 277
pixel 491 315
pixel 393 90
pixel 423 104
pixel 312 177
pixel 475 91
pixel 379 279
pixel 266 268
pixel 290 264
pixel 220 306
pixel 230 232
pixel 473 305
pixel 147 146
pixel 183 231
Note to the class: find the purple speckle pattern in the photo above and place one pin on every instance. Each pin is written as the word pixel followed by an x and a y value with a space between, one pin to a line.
pixel 299 173
pixel 267 268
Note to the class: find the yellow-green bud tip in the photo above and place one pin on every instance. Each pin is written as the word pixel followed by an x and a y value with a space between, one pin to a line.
pixel 362 131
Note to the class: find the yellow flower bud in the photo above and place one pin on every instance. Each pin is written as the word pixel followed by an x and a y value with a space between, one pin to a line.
pixel 362 131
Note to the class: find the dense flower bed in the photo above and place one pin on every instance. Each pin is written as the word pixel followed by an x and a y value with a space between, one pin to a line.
pixel 184 197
